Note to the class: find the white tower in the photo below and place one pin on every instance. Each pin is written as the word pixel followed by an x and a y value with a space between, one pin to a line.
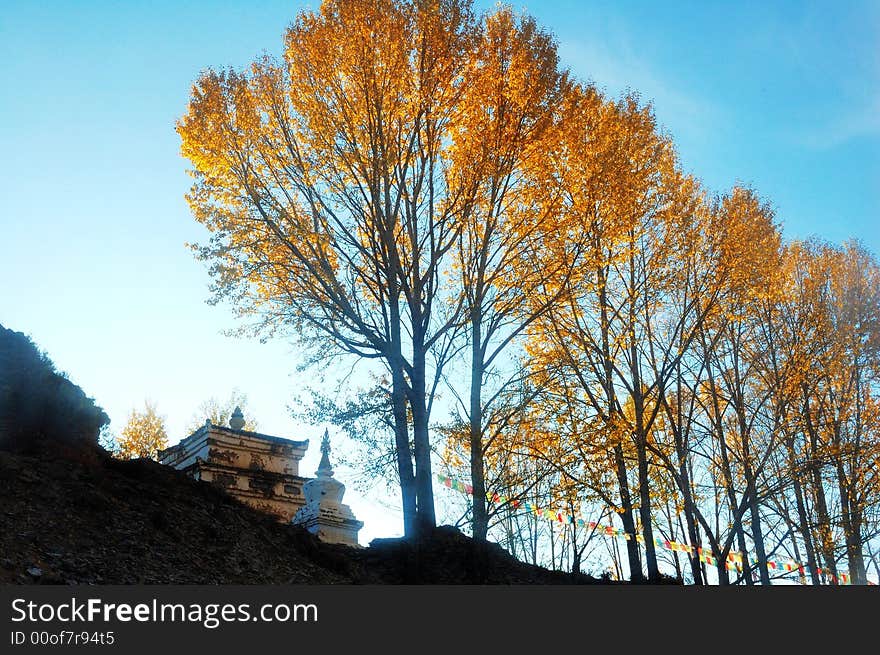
pixel 324 514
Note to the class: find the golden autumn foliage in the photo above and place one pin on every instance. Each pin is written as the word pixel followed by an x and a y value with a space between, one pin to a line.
pixel 143 435
pixel 428 190
pixel 330 183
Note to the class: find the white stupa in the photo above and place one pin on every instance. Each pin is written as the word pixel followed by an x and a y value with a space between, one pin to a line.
pixel 324 514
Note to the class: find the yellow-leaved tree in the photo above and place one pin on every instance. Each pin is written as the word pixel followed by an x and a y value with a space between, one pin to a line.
pixel 144 434
pixel 344 183
pixel 322 177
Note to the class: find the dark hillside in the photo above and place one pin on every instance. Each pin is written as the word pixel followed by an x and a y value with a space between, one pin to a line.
pixel 97 520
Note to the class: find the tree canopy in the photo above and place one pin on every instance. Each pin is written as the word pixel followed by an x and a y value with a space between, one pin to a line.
pixel 144 434
pixel 428 191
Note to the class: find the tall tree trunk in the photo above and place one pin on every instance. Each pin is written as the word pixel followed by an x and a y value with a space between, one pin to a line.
pixel 641 436
pixel 627 517
pixel 731 497
pixel 826 542
pixel 629 523
pixel 401 428
pixel 693 536
pixel 741 540
pixel 721 568
pixel 404 455
pixel 421 439
pixel 852 527
pixel 727 475
pixel 676 561
pixel 478 479
pixel 758 536
pixel 645 514
pixel 792 530
pixel 857 570
pixel 803 518
pixel 680 434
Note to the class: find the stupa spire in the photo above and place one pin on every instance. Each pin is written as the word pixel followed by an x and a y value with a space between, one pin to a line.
pixel 324 468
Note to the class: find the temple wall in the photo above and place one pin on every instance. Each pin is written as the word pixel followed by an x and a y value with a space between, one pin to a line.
pixel 269 492
pixel 259 470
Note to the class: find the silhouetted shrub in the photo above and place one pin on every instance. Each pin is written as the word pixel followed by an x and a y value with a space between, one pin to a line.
pixel 39 404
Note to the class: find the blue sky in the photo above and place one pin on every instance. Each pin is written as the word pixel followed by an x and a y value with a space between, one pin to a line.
pixel 784 96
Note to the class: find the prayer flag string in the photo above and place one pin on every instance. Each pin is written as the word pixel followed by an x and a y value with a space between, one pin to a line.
pixel 733 561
